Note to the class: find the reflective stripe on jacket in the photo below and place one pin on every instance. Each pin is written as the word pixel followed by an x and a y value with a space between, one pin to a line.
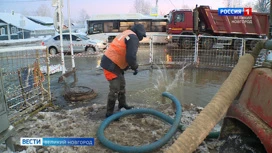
pixel 117 49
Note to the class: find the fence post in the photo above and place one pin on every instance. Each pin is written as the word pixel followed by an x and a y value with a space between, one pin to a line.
pixel 151 51
pixel 196 49
pixel 39 75
pixel 242 48
pixel 24 94
pixel 48 74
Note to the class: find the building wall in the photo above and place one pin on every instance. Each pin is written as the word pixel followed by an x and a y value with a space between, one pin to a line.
pixel 3 37
pixel 3 25
pixel 38 33
pixel 15 32
pixel 26 34
pixel 18 33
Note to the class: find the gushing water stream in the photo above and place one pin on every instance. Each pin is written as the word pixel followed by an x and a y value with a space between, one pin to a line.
pixel 164 83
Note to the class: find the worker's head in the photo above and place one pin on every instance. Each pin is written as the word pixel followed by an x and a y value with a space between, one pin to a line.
pixel 139 30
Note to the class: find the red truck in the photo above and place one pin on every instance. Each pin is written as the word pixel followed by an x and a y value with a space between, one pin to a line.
pixel 204 21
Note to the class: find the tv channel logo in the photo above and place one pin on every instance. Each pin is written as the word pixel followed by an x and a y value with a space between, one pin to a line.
pixel 235 11
pixel 31 141
pixel 56 141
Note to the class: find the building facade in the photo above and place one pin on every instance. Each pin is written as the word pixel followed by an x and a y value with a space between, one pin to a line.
pixel 17 26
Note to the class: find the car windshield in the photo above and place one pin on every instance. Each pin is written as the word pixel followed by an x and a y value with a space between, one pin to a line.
pixel 83 37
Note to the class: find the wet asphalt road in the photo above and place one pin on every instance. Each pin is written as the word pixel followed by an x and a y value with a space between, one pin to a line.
pixel 196 86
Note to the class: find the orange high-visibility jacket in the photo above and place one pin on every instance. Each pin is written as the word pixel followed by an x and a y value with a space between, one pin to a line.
pixel 109 75
pixel 117 49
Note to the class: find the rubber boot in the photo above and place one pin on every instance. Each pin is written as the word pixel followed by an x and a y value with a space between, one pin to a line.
pixel 122 102
pixel 110 108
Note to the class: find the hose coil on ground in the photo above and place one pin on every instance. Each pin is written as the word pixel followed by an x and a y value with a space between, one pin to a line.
pixel 145 148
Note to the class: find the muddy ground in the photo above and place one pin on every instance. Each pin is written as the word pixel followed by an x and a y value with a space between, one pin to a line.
pixel 134 130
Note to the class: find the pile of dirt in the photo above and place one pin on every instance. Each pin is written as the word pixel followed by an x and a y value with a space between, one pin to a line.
pixel 133 130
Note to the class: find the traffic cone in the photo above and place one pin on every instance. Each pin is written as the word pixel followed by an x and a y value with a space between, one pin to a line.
pixel 168 58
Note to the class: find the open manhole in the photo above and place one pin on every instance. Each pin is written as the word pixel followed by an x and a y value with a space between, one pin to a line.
pixel 79 93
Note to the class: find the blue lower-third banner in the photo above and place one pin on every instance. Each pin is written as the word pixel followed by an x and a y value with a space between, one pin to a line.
pixel 67 141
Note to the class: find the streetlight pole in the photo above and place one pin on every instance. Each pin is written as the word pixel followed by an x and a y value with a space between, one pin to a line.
pixel 70 29
pixel 61 38
pixel 270 21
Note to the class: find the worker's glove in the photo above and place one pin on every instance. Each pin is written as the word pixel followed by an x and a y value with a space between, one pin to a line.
pixel 134 67
pixel 135 72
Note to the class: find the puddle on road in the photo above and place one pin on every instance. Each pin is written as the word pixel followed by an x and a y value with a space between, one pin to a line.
pixel 194 86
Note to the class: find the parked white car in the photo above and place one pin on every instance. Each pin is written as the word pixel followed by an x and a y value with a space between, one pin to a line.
pixel 102 45
pixel 80 42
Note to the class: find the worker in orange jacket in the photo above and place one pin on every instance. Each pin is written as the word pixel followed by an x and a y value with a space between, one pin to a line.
pixel 120 56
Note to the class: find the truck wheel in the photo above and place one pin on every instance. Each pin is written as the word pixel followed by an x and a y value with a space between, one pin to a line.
pixel 253 44
pixel 235 56
pixel 186 43
pixel 207 43
pixel 237 44
pixel 241 144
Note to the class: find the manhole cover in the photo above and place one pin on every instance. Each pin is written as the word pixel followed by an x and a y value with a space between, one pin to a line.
pixel 79 93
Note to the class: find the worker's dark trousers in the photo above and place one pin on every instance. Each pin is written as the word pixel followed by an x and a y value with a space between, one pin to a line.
pixel 117 91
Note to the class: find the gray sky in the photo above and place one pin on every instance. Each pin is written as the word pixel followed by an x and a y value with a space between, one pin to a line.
pixel 102 6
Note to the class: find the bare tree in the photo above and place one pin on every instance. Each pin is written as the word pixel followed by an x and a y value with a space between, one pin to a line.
pixel 262 6
pixel 185 6
pixel 43 10
pixel 249 4
pixel 162 13
pixel 25 12
pixel 228 3
pixel 83 16
pixel 232 3
pixel 142 6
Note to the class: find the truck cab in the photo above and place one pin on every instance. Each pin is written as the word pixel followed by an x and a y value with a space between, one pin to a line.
pixel 180 22
pixel 183 24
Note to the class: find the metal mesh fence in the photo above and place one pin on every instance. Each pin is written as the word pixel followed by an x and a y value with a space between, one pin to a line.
pixel 203 51
pixel 249 44
pixel 25 86
pixel 212 52
pixel 143 54
pixel 179 50
pixel 222 52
